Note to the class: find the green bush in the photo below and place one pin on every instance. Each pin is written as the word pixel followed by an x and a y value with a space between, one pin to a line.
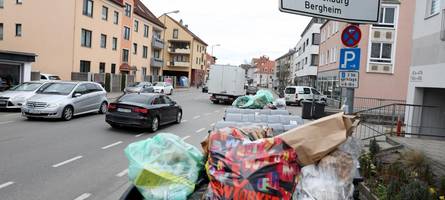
pixel 393 189
pixel 442 186
pixel 416 190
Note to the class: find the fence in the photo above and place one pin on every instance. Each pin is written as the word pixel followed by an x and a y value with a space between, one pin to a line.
pixel 363 103
pixel 403 120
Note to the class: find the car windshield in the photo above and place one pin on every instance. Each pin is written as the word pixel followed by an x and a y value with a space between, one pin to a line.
pixel 26 87
pixel 160 84
pixel 135 98
pixel 57 88
pixel 54 78
pixel 290 91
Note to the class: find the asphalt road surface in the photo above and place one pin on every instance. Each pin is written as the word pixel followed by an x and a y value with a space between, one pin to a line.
pixel 83 158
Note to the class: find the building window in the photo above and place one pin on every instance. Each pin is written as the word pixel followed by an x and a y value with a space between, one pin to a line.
pixel 144 52
pixel 113 68
pixel 381 52
pixel 116 17
pixel 103 41
pixel 125 55
pixel 136 25
pixel 1 3
pixel 305 61
pixel 18 30
pixel 86 38
pixel 127 10
pixel 85 66
pixel 387 17
pixel 126 33
pixel 146 29
pixel 114 45
pixel 314 59
pixel 101 67
pixel 18 1
pixel 135 48
pixel 315 38
pixel 156 54
pixel 1 30
pixel 144 72
pixel 175 33
pixel 88 8
pixel 433 7
pixel 104 13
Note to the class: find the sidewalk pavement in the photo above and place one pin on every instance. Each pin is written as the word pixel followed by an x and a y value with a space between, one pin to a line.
pixel 115 95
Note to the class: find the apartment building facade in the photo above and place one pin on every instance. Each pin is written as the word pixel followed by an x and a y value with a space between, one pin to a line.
pixel 185 54
pixel 264 71
pixel 385 54
pixel 306 57
pixel 284 70
pixel 426 83
pixel 97 36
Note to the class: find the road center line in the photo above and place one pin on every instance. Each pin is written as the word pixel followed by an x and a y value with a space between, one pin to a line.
pixel 216 111
pixel 83 196
pixel 184 120
pixel 6 122
pixel 207 114
pixel 67 161
pixel 112 145
pixel 139 135
pixel 186 137
pixel 196 117
pixel 212 124
pixel 200 130
pixel 122 173
pixel 6 184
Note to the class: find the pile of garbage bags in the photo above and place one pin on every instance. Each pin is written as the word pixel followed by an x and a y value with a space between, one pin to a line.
pixel 262 99
pixel 315 161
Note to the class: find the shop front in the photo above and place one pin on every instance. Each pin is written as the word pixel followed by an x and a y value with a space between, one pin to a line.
pixel 15 68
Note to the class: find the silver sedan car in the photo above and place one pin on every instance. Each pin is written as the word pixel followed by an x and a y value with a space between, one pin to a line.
pixel 16 96
pixel 66 99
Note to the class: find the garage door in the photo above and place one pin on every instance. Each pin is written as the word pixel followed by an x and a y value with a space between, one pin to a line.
pixel 433 120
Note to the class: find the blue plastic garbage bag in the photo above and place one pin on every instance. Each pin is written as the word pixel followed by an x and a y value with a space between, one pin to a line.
pixel 164 167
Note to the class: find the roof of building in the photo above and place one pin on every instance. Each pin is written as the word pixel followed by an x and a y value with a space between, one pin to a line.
pixel 141 10
pixel 118 2
pixel 314 20
pixel 188 31
pixel 291 51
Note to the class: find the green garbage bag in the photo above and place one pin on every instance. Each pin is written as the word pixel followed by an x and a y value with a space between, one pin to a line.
pixel 265 94
pixel 244 101
pixel 164 167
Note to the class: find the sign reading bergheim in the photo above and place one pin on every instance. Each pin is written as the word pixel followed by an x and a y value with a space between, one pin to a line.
pixel 352 11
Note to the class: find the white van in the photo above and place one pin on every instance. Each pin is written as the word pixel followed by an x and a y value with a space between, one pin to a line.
pixel 296 94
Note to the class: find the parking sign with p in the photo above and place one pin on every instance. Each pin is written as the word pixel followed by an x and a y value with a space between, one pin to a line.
pixel 350 59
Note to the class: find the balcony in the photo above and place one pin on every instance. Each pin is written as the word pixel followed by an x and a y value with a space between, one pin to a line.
pixel 156 62
pixel 178 51
pixel 157 43
pixel 180 64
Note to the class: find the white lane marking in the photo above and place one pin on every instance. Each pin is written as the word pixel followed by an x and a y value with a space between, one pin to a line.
pixel 200 130
pixel 67 161
pixel 212 124
pixel 112 145
pixel 6 122
pixel 184 120
pixel 10 114
pixel 216 111
pixel 139 135
pixel 207 114
pixel 6 184
pixel 196 117
pixel 122 173
pixel 186 137
pixel 83 196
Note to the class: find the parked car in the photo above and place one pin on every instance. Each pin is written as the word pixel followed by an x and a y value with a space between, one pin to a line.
pixel 16 96
pixel 296 94
pixel 251 90
pixel 49 77
pixel 66 99
pixel 205 89
pixel 139 87
pixel 163 88
pixel 143 111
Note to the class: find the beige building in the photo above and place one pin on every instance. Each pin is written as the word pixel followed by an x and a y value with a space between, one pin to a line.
pixel 98 36
pixel 185 53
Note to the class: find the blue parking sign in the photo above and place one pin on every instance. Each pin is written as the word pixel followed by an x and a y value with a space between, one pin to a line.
pixel 350 59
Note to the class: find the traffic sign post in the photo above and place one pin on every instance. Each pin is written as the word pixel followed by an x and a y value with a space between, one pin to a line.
pixel 351 36
pixel 349 79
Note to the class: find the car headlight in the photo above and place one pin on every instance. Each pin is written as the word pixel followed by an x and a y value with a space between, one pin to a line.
pixel 53 105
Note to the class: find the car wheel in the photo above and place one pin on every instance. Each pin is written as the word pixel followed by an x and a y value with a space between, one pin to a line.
pixel 171 92
pixel 179 117
pixel 299 103
pixel 154 124
pixel 215 102
pixel 103 108
pixel 114 126
pixel 67 113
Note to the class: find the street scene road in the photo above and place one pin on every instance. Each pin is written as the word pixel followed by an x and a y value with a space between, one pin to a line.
pixel 84 158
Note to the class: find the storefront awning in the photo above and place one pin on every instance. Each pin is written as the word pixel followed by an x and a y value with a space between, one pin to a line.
pixel 125 67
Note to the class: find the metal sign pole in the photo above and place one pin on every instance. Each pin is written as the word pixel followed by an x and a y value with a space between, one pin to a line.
pixel 349 101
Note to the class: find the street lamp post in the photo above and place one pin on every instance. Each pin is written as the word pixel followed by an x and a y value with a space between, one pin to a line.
pixel 215 45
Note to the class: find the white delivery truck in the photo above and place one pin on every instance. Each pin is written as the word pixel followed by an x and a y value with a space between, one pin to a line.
pixel 226 83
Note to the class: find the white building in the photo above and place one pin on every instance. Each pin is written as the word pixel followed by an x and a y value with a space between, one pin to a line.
pixel 306 58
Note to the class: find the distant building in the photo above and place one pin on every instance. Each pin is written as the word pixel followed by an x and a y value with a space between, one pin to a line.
pixel 210 60
pixel 306 58
pixel 283 70
pixel 385 54
pixel 263 75
pixel 186 52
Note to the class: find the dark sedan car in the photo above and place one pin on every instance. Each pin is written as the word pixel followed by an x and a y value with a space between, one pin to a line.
pixel 147 111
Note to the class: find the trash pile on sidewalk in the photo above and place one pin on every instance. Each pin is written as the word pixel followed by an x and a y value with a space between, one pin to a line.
pixel 315 161
pixel 262 99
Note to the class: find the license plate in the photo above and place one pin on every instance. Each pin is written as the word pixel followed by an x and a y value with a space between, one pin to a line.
pixel 2 102
pixel 123 110
pixel 34 111
pixel 221 97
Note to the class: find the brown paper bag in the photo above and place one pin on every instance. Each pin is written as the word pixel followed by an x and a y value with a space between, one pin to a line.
pixel 317 139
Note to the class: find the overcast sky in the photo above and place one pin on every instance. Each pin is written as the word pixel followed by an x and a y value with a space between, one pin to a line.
pixel 244 28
